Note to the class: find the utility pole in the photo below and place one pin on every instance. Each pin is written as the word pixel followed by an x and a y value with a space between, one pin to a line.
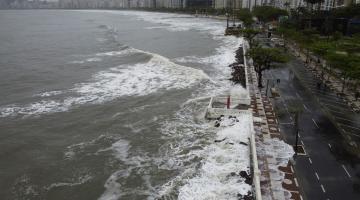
pixel 227 20
pixel 234 13
pixel 296 132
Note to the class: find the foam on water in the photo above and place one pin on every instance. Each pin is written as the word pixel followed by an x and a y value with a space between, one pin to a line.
pixel 237 91
pixel 95 59
pixel 178 22
pixel 141 79
pixel 224 54
pixel 220 160
pixel 203 167
pixel 98 57
pixel 49 94
pixel 158 73
pixel 80 180
pixel 113 187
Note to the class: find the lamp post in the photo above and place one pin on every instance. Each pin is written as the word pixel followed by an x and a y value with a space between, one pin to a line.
pixel 296 132
pixel 227 20
pixel 233 13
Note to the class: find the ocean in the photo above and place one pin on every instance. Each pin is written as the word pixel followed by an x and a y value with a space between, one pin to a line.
pixel 100 104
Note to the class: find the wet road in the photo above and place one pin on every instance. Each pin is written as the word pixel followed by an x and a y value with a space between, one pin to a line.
pixel 327 171
pixel 340 113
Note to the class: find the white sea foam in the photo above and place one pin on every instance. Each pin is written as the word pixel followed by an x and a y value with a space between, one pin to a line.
pixel 36 108
pixel 178 22
pixel 141 79
pixel 98 57
pixel 79 180
pixel 221 159
pixel 224 54
pixel 23 186
pixel 113 188
pixel 279 154
pixel 118 53
pixel 237 91
pixel 120 149
pixel 49 94
pixel 189 138
pixel 154 27
pixel 95 59
pixel 159 73
pixel 76 149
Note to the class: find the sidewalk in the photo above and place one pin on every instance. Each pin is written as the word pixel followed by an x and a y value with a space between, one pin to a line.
pixel 278 179
pixel 331 81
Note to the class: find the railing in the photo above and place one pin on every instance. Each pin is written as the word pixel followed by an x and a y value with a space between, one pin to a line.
pixel 255 165
pixel 245 66
pixel 233 100
pixel 256 171
pixel 215 112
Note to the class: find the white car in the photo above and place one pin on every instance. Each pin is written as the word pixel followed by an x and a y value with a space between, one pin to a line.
pixel 278 41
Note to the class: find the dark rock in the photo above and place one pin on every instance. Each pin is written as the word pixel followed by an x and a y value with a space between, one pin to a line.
pixel 248 178
pixel 243 174
pixel 220 140
pixel 248 181
pixel 231 143
pixel 248 196
pixel 217 124
pixel 243 143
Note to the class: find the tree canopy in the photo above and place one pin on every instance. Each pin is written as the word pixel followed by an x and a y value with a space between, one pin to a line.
pixel 321 48
pixel 249 34
pixel 245 16
pixel 268 13
pixel 352 11
pixel 348 64
pixel 264 58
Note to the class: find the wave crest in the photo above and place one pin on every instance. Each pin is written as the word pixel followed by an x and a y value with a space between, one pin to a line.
pixel 158 73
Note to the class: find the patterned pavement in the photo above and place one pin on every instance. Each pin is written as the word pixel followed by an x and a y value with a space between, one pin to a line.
pixel 272 187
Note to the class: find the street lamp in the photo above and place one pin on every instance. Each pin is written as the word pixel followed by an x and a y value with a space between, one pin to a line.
pixel 233 13
pixel 296 132
pixel 227 20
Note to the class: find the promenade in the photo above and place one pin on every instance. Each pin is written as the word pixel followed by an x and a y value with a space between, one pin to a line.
pixel 278 178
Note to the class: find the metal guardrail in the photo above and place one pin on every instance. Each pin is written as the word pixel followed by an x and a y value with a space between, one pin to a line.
pixel 245 66
pixel 233 100
pixel 255 165
pixel 214 113
pixel 256 171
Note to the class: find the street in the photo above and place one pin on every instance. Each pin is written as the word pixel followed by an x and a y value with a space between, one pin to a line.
pixel 326 171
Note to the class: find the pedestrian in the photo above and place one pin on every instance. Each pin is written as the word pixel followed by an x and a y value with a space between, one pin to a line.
pixel 318 84
pixel 269 34
pixel 357 95
pixel 278 81
pixel 292 76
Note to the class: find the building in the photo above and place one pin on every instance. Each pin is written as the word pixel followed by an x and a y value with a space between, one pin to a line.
pixel 29 4
pixel 218 4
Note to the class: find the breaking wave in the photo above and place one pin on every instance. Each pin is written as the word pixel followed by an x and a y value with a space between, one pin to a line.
pixel 189 150
pixel 157 73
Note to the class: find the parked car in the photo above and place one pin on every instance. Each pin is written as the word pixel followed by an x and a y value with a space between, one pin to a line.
pixel 278 41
